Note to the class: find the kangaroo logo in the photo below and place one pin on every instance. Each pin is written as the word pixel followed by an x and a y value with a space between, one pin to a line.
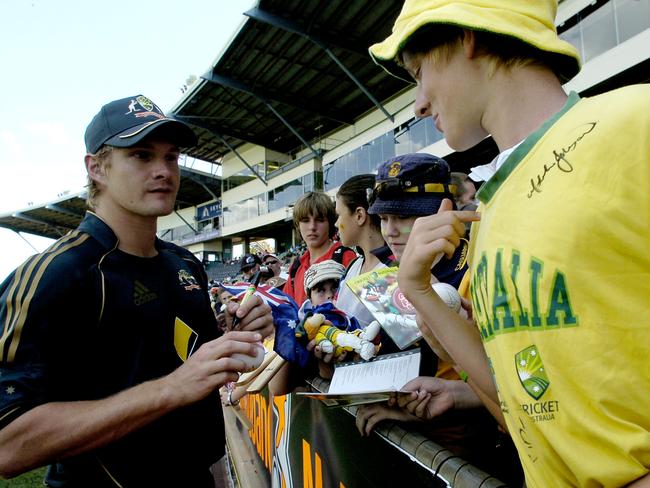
pixel 132 107
pixel 531 372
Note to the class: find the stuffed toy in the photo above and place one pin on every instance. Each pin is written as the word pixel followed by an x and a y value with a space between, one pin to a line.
pixel 331 339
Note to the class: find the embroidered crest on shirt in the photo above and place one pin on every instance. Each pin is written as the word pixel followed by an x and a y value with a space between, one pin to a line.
pixel 187 281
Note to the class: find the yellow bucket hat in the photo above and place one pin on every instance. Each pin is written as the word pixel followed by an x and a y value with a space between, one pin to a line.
pixel 531 21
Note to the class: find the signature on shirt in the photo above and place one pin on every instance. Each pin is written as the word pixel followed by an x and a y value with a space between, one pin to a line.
pixel 561 161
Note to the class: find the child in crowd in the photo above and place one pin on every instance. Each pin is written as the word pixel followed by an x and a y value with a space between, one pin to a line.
pixel 314 216
pixel 332 331
pixel 358 229
pixel 322 282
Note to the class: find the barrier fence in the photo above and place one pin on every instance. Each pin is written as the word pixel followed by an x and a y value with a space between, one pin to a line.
pixel 302 443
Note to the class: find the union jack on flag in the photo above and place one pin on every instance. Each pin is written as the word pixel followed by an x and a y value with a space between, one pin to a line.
pixel 271 295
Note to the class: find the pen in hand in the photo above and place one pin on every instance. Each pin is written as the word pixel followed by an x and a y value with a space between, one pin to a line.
pixel 250 291
pixel 251 362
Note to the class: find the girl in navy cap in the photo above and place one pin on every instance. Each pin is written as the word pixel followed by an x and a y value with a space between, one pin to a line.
pixel 407 187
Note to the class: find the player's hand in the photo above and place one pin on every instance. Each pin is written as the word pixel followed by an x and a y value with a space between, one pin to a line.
pixel 253 315
pixel 368 416
pixel 210 367
pixel 431 236
pixel 430 396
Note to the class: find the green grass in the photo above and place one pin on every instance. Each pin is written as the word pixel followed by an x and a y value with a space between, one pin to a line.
pixel 31 479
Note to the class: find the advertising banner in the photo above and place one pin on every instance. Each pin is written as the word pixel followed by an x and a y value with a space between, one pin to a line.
pixel 208 211
pixel 302 443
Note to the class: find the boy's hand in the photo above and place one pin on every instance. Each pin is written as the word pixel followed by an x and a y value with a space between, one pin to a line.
pixel 431 236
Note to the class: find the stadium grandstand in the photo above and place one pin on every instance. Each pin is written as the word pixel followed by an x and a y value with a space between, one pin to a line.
pixel 294 103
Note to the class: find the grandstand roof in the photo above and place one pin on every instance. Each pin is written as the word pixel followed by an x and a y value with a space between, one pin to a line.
pixel 52 219
pixel 57 217
pixel 294 72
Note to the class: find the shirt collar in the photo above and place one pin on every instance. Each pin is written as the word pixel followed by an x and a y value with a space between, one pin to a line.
pixel 99 230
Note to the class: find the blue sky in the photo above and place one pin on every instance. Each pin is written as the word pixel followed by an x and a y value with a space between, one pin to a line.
pixel 63 59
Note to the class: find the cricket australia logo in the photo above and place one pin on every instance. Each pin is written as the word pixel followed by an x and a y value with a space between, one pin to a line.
pixel 187 281
pixel 145 103
pixel 531 372
pixel 149 109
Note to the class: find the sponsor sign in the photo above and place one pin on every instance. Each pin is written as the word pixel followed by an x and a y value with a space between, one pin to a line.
pixel 208 211
pixel 304 444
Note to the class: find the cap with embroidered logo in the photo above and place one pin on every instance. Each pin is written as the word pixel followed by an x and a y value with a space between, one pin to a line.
pixel 248 261
pixel 125 122
pixel 411 185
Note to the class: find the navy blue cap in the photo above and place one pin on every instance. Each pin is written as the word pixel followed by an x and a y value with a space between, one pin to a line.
pixel 125 122
pixel 411 185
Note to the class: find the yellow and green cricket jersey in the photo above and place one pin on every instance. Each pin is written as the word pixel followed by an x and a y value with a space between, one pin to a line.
pixel 560 285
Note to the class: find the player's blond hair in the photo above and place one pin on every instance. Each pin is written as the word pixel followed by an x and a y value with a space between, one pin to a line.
pixel 103 158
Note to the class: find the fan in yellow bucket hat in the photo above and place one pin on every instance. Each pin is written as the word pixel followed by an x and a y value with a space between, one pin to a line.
pixel 537 246
pixel 528 21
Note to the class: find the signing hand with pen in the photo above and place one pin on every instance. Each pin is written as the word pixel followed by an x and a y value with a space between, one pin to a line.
pixel 252 315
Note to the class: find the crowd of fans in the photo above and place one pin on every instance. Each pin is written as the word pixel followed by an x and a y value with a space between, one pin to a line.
pixel 541 372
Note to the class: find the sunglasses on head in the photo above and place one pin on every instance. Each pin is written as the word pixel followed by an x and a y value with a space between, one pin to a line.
pixel 273 261
pixel 392 188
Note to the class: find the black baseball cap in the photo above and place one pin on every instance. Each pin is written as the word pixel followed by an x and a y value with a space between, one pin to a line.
pixel 248 261
pixel 125 122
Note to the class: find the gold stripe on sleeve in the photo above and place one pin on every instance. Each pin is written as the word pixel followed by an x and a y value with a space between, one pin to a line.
pixel 23 307
pixel 22 276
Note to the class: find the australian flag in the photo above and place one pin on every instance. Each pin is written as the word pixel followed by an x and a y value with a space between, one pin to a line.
pixel 285 319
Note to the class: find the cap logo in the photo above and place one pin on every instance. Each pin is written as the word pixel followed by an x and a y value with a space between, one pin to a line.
pixel 149 107
pixel 145 103
pixel 394 169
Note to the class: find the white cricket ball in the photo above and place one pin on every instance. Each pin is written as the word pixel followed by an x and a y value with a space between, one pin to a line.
pixel 251 362
pixel 448 294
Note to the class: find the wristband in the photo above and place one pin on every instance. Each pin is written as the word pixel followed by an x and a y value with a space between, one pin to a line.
pixel 232 402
